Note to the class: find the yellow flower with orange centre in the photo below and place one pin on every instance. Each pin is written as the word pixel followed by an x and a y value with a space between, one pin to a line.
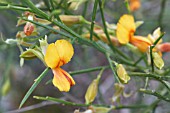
pixel 57 54
pixel 125 33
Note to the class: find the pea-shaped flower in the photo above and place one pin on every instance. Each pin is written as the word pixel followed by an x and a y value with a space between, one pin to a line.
pixel 57 54
pixel 125 33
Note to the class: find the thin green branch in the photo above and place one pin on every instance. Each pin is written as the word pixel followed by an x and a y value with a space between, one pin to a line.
pixel 112 68
pixel 161 13
pixel 73 73
pixel 154 93
pixel 66 102
pixel 93 18
pixel 131 107
pixel 151 58
pixel 127 6
pixel 157 40
pixel 47 98
pixel 156 77
pixel 35 84
pixel 14 7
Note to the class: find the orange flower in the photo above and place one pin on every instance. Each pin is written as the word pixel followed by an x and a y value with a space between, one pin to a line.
pixel 125 33
pixel 134 5
pixel 58 54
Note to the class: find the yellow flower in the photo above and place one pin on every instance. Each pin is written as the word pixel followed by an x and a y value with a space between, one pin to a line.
pixel 58 54
pixel 125 33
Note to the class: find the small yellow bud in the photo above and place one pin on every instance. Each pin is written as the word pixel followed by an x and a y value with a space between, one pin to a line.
pixel 6 87
pixel 92 90
pixel 43 45
pixel 119 88
pixel 122 74
pixel 71 20
pixel 100 109
pixel 157 59
pixel 32 53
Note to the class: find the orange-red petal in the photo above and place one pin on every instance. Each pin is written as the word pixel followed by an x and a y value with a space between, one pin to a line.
pixel 164 47
pixel 141 43
pixel 62 80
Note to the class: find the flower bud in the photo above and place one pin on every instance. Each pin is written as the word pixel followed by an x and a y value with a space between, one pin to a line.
pixel 43 45
pixel 134 5
pixel 87 111
pixel 71 20
pixel 32 53
pixel 92 90
pixel 119 89
pixel 28 28
pixel 100 109
pixel 157 59
pixel 122 74
pixel 6 87
pixel 75 4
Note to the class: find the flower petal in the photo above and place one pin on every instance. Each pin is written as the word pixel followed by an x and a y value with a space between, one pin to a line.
pixel 65 51
pixel 125 28
pixel 141 43
pixel 62 80
pixel 52 58
pixel 164 47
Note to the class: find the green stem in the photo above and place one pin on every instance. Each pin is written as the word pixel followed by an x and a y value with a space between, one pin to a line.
pixel 35 9
pixel 131 107
pixel 35 84
pixel 86 105
pixel 93 18
pixel 154 93
pixel 142 57
pixel 88 70
pixel 151 58
pixel 112 68
pixel 52 4
pixel 161 13
pixel 127 6
pixel 158 39
pixel 14 7
pixel 66 102
pixel 156 77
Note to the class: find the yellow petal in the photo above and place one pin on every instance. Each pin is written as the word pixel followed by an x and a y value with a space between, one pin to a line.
pixel 125 28
pixel 65 51
pixel 52 57
pixel 62 80
pixel 122 34
pixel 141 43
